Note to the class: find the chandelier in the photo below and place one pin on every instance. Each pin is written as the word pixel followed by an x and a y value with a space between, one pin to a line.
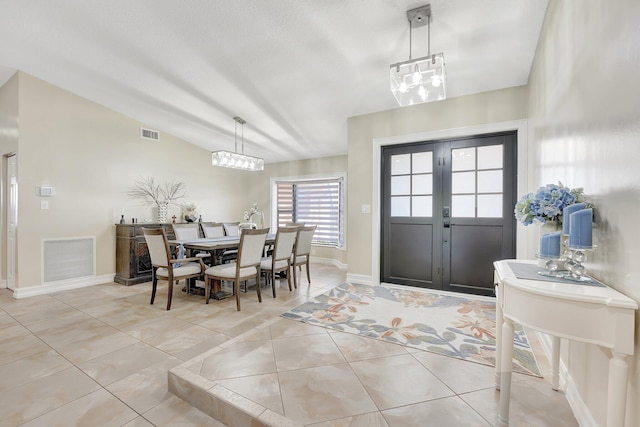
pixel 422 79
pixel 235 160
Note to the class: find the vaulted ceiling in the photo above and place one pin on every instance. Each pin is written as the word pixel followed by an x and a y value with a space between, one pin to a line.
pixel 295 70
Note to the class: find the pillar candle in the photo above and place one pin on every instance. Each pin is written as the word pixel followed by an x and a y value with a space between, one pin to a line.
pixel 550 245
pixel 581 229
pixel 566 215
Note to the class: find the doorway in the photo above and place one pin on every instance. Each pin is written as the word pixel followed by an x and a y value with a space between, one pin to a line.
pixel 10 208
pixel 447 211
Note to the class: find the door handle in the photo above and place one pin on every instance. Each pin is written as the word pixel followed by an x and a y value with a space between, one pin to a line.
pixel 447 223
pixel 446 215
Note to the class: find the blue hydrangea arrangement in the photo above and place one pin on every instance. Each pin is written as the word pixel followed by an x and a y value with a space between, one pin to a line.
pixel 546 204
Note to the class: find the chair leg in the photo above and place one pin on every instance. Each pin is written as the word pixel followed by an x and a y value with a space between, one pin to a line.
pixel 236 288
pixel 170 293
pixel 207 289
pixel 153 288
pixel 258 286
pixel 308 274
pixel 289 278
pixel 295 276
pixel 273 282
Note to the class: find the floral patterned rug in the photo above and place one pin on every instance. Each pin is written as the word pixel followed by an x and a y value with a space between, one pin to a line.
pixel 454 325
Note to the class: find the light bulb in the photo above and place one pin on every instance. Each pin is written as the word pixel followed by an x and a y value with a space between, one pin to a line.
pixel 403 87
pixel 435 81
pixel 422 92
pixel 416 78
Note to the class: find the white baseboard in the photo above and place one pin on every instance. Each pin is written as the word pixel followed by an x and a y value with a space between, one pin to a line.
pixel 330 261
pixel 62 285
pixel 578 406
pixel 359 278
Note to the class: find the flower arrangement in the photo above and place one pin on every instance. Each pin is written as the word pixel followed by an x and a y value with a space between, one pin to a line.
pixel 547 204
pixel 156 194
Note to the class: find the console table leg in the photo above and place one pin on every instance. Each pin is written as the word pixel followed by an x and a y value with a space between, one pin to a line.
pixel 505 372
pixel 555 363
pixel 499 322
pixel 618 377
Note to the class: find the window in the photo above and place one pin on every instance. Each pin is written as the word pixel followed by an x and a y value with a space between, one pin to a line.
pixel 314 202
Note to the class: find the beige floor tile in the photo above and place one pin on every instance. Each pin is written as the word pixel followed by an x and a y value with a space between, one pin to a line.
pixel 138 422
pixel 17 342
pixel 177 341
pixel 323 393
pixel 354 347
pixel 528 407
pixel 373 419
pixel 239 360
pixel 176 412
pixel 30 368
pixel 121 363
pixel 203 346
pixel 146 388
pixel 450 411
pixel 291 328
pixel 69 329
pixel 6 320
pixel 99 408
pixel 95 346
pixel 459 375
pixel 147 328
pixel 399 380
pixel 305 352
pixel 262 389
pixel 23 403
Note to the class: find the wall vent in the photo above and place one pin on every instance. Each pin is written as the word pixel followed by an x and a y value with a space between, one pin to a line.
pixel 64 259
pixel 153 135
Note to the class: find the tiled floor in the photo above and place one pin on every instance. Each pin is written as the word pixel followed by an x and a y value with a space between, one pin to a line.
pixel 99 356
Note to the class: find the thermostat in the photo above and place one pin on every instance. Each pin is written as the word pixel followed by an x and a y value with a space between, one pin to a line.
pixel 46 191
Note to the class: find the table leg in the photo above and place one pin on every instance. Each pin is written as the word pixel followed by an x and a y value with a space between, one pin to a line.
pixel 505 372
pixel 499 322
pixel 617 400
pixel 555 363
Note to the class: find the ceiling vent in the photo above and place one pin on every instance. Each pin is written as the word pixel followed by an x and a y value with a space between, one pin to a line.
pixel 153 135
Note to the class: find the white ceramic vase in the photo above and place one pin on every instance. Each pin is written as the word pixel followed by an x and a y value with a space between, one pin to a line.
pixel 162 213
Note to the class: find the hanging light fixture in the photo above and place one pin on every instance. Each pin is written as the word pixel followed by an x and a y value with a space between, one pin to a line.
pixel 235 160
pixel 423 79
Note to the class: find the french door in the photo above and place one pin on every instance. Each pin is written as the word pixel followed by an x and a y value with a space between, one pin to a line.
pixel 447 212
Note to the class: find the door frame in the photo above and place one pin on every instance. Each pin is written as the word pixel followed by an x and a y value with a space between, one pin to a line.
pixel 519 126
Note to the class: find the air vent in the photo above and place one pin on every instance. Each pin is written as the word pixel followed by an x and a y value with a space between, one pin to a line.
pixel 153 135
pixel 64 259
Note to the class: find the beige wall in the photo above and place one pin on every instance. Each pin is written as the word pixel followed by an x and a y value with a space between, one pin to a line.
pixel 585 131
pixel 490 107
pixel 260 190
pixel 91 155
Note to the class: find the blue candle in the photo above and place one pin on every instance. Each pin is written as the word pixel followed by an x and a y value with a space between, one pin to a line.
pixel 550 245
pixel 566 215
pixel 581 229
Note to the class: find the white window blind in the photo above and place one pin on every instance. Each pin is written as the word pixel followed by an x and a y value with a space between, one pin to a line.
pixel 315 202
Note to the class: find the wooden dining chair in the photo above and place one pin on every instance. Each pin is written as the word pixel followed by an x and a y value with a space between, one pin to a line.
pixel 247 265
pixel 280 259
pixel 302 251
pixel 212 230
pixel 189 231
pixel 167 268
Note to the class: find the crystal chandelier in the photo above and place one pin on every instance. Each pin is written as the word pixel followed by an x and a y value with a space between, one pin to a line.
pixel 422 79
pixel 235 160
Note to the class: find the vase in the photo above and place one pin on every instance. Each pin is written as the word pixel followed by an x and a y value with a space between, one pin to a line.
pixel 162 214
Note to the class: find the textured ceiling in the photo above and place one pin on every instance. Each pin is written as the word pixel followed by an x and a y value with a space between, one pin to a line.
pixel 295 70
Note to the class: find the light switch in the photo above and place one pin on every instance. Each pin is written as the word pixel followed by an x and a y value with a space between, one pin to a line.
pixel 366 209
pixel 44 204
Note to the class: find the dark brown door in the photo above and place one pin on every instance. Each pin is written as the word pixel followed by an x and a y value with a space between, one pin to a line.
pixel 447 212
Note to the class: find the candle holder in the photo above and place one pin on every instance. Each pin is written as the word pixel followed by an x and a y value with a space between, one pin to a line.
pixel 552 266
pixel 576 256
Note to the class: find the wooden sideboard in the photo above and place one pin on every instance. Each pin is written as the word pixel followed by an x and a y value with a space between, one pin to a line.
pixel 133 264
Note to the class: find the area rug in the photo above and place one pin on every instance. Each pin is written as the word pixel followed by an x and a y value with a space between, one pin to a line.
pixel 454 325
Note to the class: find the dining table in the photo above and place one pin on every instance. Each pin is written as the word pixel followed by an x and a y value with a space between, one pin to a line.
pixel 213 245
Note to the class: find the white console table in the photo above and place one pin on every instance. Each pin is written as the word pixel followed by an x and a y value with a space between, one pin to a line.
pixel 596 315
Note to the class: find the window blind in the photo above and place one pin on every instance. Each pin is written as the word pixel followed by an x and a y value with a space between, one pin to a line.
pixel 319 203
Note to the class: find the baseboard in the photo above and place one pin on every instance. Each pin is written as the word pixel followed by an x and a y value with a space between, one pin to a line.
pixel 578 406
pixel 359 278
pixel 62 285
pixel 330 261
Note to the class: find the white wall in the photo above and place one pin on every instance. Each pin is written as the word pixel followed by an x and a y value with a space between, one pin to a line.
pixel 585 132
